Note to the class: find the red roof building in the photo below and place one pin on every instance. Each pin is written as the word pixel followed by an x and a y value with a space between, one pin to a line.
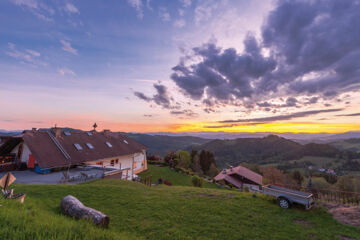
pixel 239 176
pixel 56 148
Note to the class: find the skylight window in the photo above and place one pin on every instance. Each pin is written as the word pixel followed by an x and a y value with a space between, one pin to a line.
pixel 89 133
pixel 89 145
pixel 126 142
pixel 67 133
pixel 78 146
pixel 108 144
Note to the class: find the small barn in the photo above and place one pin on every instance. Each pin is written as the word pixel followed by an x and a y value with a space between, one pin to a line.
pixel 240 177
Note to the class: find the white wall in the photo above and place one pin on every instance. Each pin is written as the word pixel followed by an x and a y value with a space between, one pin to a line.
pixel 25 154
pixel 124 162
pixel 139 159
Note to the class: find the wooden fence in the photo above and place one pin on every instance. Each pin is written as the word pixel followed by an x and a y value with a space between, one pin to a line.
pixel 147 180
pixel 329 195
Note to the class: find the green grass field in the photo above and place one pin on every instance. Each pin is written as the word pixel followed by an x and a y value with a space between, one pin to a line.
pixel 161 212
pixel 175 178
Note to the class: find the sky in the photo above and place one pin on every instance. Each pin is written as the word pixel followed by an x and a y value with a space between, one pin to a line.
pixel 181 65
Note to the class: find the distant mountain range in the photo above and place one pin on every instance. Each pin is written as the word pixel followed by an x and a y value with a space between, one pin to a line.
pixel 162 144
pixel 301 137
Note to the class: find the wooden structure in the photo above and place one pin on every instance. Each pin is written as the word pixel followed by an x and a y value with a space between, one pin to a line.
pixel 5 182
pixel 239 176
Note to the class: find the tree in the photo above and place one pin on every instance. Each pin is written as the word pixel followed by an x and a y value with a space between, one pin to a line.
pixel 195 165
pixel 273 176
pixel 169 156
pixel 197 181
pixel 298 177
pixel 346 183
pixel 213 171
pixel 206 159
pixel 193 154
pixel 184 159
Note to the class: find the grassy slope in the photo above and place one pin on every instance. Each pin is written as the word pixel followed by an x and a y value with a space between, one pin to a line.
pixel 161 212
pixel 175 178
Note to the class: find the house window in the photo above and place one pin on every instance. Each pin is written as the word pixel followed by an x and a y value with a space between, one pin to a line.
pixel 99 163
pixel 89 145
pixel 134 164
pixel 112 162
pixel 78 146
pixel 117 161
pixel 108 144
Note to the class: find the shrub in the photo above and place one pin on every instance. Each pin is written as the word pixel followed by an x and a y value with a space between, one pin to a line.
pixel 197 181
pixel 166 182
pixel 184 158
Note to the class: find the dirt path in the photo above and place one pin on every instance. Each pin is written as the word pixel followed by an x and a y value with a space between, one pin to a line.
pixel 345 214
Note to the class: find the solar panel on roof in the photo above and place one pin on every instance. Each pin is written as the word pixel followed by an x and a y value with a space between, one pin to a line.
pixel 78 146
pixel 89 145
pixel 67 133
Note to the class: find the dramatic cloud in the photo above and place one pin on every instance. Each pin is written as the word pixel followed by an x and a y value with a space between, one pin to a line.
pixel 39 9
pixel 66 46
pixel 66 71
pixel 137 4
pixel 307 49
pixel 186 3
pixel 282 117
pixel 70 8
pixel 204 10
pixel 349 115
pixel 179 23
pixel 185 113
pixel 164 14
pixel 26 56
pixel 161 97
pixel 142 96
pixel 34 53
pixel 223 75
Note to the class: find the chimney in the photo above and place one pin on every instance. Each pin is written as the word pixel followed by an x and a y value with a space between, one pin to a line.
pixel 107 132
pixel 57 132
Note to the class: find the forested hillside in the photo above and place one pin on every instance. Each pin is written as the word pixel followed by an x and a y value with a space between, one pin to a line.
pixel 270 149
pixel 162 144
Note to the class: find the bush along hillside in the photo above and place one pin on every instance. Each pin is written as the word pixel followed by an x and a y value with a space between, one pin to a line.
pixel 199 164
pixel 161 212
pixel 270 149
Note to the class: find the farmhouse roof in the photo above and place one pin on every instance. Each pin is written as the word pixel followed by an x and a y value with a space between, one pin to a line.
pixel 57 148
pixel 240 171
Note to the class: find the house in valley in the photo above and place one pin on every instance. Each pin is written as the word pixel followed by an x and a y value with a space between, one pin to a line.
pixel 240 177
pixel 46 150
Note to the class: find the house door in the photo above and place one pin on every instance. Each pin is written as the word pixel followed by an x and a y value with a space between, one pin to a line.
pixel 31 161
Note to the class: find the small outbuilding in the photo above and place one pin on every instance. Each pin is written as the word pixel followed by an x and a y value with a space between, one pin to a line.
pixel 240 177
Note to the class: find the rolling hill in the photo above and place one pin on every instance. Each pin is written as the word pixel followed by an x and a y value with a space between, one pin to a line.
pixel 162 144
pixel 270 149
